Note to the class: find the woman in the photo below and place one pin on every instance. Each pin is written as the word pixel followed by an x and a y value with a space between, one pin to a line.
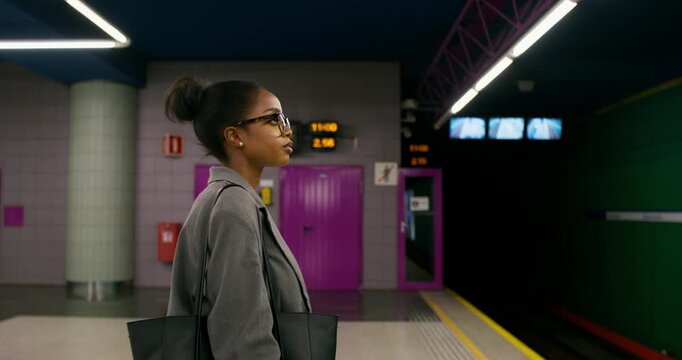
pixel 242 125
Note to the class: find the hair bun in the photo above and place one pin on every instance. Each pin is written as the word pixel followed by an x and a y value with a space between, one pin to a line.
pixel 183 99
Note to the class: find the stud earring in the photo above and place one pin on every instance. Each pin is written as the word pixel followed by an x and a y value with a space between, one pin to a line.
pixel 241 144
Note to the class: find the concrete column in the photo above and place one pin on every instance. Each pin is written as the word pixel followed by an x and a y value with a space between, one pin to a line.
pixel 101 190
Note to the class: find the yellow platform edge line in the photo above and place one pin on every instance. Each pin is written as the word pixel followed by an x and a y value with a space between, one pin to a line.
pixel 641 95
pixel 478 354
pixel 499 329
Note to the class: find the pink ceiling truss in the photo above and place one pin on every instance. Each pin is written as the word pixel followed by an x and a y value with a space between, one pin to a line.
pixel 482 33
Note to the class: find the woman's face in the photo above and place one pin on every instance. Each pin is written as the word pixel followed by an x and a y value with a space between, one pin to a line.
pixel 264 142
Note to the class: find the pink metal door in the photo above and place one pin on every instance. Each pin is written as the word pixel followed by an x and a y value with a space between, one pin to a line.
pixel 321 221
pixel 201 175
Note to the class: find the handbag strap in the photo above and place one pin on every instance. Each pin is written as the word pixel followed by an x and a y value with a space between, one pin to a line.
pixel 266 274
pixel 199 292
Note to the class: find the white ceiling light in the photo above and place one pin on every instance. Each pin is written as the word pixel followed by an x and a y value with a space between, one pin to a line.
pixel 463 101
pixel 98 20
pixel 459 105
pixel 118 38
pixel 547 22
pixel 56 44
pixel 496 70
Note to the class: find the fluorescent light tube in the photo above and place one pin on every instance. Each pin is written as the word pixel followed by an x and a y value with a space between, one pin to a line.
pixel 98 20
pixel 496 70
pixel 57 44
pixel 119 40
pixel 463 101
pixel 547 22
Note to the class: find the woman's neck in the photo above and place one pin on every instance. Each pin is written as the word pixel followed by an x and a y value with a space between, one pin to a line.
pixel 249 172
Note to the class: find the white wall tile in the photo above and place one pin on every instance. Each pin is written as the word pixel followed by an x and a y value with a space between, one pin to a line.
pixel 29 146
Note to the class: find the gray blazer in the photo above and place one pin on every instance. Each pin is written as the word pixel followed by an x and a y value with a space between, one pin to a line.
pixel 240 324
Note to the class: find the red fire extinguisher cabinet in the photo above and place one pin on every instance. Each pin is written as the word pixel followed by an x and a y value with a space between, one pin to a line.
pixel 166 240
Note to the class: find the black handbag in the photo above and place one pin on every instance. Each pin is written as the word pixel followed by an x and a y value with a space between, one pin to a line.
pixel 299 335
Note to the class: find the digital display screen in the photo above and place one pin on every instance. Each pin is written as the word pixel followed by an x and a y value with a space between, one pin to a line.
pixel 323 135
pixel 324 127
pixel 324 143
pixel 544 129
pixel 506 128
pixel 467 128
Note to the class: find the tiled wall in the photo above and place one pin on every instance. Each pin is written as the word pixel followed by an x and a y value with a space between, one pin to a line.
pixel 363 97
pixel 100 234
pixel 34 131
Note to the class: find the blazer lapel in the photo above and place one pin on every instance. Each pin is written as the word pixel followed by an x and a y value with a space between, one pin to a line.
pixel 288 255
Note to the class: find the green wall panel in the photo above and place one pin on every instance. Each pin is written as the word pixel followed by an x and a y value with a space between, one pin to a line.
pixel 626 276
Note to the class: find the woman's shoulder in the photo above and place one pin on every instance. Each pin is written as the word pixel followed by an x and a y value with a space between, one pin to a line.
pixel 233 199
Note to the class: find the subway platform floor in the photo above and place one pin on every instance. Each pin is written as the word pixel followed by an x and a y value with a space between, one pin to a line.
pixel 40 322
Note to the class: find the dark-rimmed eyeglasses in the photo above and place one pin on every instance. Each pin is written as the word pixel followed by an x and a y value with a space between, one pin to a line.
pixel 276 118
